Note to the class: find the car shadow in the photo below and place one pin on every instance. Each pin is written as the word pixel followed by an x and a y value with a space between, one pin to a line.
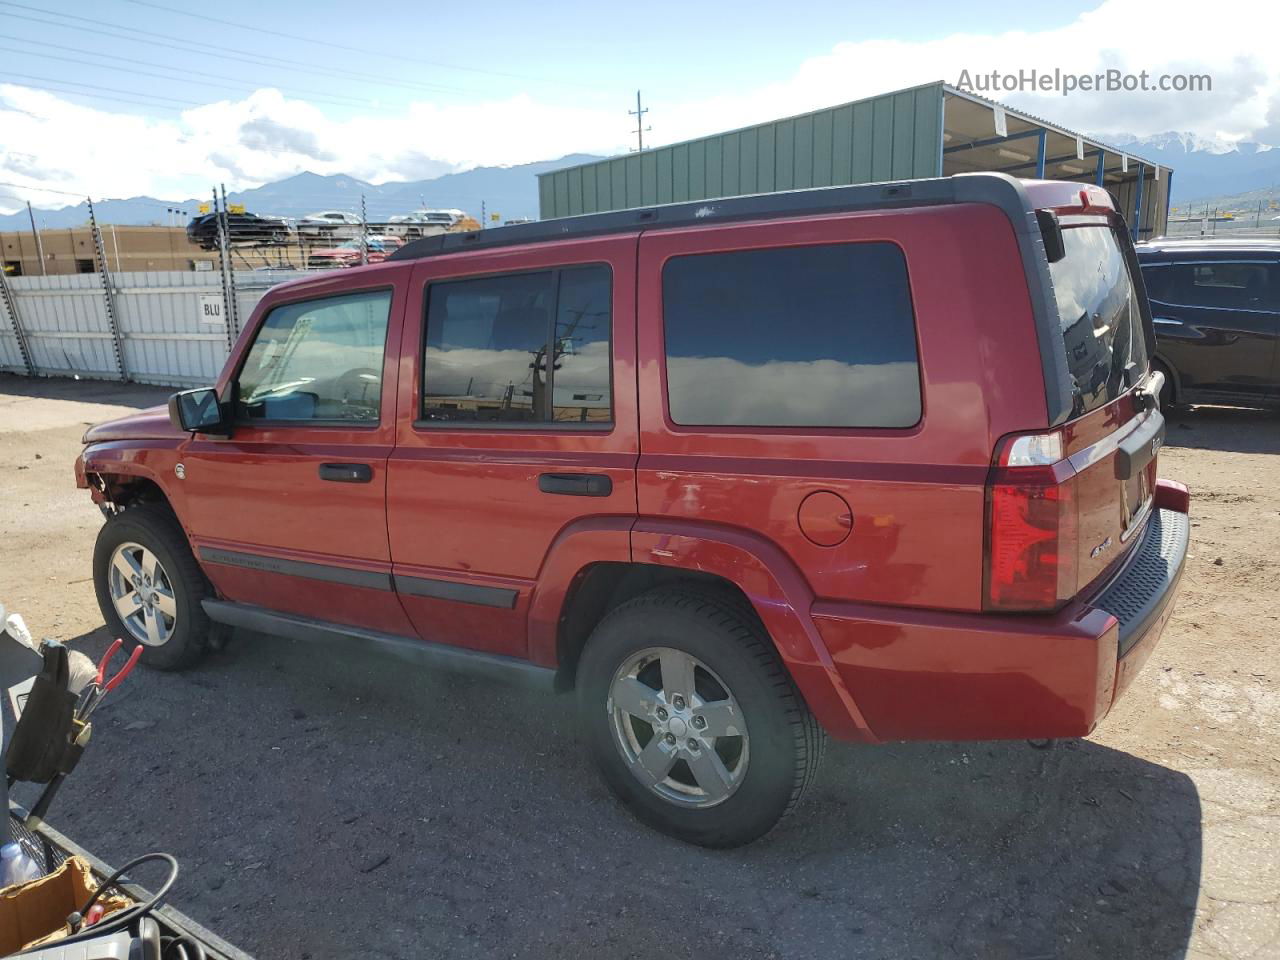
pixel 135 395
pixel 322 803
pixel 1226 429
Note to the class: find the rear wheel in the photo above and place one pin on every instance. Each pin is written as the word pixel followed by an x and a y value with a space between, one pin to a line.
pixel 150 587
pixel 693 720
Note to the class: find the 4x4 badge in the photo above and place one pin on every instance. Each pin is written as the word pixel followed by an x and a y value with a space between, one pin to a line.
pixel 1100 549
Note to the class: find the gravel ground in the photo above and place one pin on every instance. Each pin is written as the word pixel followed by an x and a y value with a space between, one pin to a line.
pixel 327 809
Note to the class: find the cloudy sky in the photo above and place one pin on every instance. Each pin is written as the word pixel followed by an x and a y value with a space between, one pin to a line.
pixel 116 98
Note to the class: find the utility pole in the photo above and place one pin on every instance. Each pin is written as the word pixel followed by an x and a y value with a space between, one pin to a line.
pixel 640 129
pixel 484 219
pixel 44 271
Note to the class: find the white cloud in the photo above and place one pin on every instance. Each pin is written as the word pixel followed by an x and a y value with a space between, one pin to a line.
pixel 267 136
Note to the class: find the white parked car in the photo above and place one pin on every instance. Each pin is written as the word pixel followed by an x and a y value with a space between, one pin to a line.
pixel 330 223
pixel 423 222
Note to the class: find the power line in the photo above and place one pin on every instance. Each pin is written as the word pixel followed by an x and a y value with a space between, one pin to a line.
pixel 314 95
pixel 92 96
pixel 80 195
pixel 184 45
pixel 256 28
pixel 98 86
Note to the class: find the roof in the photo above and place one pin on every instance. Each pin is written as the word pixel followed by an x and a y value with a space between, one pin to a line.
pixel 947 89
pixel 1011 195
pixel 1193 245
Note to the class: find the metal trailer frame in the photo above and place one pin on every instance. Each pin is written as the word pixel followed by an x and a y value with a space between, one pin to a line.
pixel 54 847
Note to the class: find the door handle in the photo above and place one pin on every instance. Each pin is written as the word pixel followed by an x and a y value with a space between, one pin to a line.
pixel 576 484
pixel 346 472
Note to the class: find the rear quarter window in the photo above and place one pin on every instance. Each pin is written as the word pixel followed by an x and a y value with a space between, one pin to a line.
pixel 816 336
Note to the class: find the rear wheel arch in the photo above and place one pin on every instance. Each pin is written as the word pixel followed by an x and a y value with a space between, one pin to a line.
pixel 1172 392
pixel 733 562
pixel 601 588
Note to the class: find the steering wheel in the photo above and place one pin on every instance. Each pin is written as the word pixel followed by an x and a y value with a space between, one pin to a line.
pixel 360 387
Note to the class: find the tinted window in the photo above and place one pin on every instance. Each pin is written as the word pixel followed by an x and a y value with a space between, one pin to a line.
pixel 581 375
pixel 1102 329
pixel 819 336
pixel 317 360
pixel 1226 285
pixel 1158 279
pixel 487 343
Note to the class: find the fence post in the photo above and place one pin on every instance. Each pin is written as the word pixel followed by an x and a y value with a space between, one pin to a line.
pixel 233 307
pixel 364 233
pixel 222 272
pixel 11 307
pixel 104 274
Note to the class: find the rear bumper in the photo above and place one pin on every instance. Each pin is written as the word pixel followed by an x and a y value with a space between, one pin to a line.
pixel 954 676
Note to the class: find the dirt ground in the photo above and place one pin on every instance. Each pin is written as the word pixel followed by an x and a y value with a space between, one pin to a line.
pixel 347 809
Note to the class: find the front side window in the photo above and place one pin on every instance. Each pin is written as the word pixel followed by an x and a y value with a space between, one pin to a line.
pixel 818 336
pixel 318 360
pixel 523 348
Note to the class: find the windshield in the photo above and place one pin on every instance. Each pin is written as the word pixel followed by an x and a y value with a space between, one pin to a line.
pixel 1100 318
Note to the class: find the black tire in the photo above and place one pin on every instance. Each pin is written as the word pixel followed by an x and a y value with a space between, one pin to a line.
pixel 786 742
pixel 154 527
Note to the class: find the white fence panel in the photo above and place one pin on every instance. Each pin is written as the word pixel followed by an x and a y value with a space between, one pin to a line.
pixel 65 320
pixel 165 331
pixel 10 352
pixel 167 337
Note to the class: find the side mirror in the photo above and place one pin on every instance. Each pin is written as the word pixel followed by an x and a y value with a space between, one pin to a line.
pixel 198 411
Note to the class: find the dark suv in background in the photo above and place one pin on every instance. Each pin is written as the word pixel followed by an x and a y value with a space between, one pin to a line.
pixel 1216 307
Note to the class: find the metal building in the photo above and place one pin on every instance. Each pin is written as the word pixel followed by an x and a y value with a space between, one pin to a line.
pixel 926 131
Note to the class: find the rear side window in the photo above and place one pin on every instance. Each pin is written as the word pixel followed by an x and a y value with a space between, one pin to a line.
pixel 489 341
pixel 1226 284
pixel 819 336
pixel 1100 319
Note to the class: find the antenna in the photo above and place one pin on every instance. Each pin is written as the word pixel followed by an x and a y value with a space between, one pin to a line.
pixel 640 129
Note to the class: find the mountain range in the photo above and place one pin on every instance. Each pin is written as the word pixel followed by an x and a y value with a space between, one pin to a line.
pixel 1206 171
pixel 511 192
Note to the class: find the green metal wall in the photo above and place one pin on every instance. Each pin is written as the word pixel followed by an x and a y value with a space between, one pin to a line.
pixel 897 136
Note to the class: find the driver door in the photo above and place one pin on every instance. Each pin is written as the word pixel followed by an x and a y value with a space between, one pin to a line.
pixel 289 512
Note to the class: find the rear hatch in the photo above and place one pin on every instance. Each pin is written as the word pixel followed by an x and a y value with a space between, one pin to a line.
pixel 1067 504
pixel 1115 433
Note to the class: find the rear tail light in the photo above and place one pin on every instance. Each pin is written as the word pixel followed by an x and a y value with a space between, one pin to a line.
pixel 1031 525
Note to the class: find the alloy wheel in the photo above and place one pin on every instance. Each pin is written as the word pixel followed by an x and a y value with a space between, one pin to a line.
pixel 678 727
pixel 142 594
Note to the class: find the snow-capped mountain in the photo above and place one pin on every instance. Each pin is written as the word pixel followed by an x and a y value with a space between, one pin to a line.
pixel 1205 167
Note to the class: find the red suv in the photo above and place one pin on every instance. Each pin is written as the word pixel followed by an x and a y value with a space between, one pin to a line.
pixel 878 461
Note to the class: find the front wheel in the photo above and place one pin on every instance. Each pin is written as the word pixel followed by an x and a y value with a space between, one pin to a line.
pixel 692 719
pixel 150 587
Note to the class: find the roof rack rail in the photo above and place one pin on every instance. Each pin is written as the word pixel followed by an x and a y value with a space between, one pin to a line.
pixel 993 188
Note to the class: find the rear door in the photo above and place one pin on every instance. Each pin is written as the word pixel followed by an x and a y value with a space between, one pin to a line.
pixel 1111 441
pixel 517 423
pixel 1218 321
